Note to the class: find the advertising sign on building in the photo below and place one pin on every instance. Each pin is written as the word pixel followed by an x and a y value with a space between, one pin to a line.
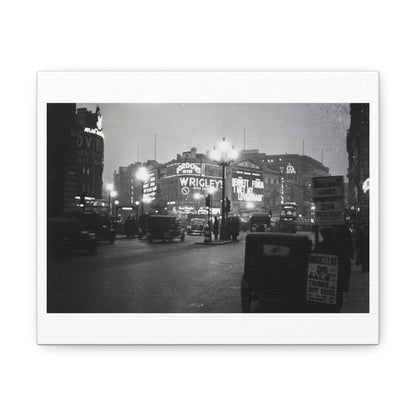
pixel 322 278
pixel 150 187
pixel 328 197
pixel 247 186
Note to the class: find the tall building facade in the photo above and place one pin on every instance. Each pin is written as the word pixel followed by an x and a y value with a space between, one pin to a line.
pixel 75 157
pixel 358 148
pixel 288 178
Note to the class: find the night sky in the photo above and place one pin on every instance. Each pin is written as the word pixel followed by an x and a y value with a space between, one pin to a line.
pixel 271 128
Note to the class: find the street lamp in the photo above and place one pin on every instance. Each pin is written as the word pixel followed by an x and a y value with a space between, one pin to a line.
pixel 223 156
pixel 110 188
pixel 142 175
pixel 113 194
pixel 137 203
pixel 116 202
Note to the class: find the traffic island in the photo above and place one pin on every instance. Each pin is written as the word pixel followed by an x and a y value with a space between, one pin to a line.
pixel 214 242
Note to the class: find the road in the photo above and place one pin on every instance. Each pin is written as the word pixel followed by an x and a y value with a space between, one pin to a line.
pixel 132 276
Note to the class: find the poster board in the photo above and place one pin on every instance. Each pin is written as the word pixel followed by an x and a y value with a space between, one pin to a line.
pixel 328 197
pixel 322 278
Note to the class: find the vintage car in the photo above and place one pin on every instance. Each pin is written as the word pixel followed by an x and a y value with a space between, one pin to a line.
pixel 286 225
pixel 131 227
pixel 164 228
pixel 275 271
pixel 97 223
pixel 196 226
pixel 66 236
pixel 259 221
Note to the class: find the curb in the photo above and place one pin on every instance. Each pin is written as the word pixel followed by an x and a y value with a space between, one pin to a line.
pixel 214 243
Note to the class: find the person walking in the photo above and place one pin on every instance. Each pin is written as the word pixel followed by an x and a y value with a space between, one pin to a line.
pixel 216 228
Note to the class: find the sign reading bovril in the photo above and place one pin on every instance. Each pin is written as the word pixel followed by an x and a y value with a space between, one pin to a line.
pixel 328 197
pixel 322 278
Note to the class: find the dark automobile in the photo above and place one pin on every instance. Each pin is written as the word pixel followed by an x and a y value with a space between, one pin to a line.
pixel 131 227
pixel 196 226
pixel 287 225
pixel 244 223
pixel 275 271
pixel 66 236
pixel 97 223
pixel 164 228
pixel 259 221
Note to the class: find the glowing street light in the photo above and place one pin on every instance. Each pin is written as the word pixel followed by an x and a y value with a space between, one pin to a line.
pixel 142 175
pixel 110 189
pixel 223 157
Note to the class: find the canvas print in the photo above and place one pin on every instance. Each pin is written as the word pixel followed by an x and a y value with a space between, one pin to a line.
pixel 208 208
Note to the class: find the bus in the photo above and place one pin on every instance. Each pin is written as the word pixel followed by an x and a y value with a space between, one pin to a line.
pixel 288 217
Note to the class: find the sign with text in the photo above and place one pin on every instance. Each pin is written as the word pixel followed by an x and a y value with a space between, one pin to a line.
pixel 328 197
pixel 247 186
pixel 322 278
pixel 150 187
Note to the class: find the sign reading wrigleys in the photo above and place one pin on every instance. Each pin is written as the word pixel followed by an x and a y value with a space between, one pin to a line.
pixel 193 176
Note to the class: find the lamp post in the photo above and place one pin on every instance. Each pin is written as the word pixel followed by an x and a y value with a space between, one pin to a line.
pixel 113 194
pixel 197 197
pixel 142 175
pixel 110 189
pixel 137 203
pixel 116 202
pixel 223 156
pixel 211 192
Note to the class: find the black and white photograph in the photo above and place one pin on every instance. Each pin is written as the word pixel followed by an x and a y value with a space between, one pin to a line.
pixel 208 208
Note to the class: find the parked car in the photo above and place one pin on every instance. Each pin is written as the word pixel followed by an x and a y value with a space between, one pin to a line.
pixel 66 236
pixel 164 228
pixel 276 271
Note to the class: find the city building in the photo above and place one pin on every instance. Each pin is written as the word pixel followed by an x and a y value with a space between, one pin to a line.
pixel 288 178
pixel 359 162
pixel 75 157
pixel 254 182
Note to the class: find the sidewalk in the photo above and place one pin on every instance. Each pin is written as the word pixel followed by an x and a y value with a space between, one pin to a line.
pixel 356 300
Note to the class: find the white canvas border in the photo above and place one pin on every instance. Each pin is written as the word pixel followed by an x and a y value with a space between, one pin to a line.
pixel 208 87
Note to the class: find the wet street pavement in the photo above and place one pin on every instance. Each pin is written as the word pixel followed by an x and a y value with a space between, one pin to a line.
pixel 133 276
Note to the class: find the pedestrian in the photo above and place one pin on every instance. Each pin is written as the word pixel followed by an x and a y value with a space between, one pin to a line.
pixel 216 227
pixel 337 241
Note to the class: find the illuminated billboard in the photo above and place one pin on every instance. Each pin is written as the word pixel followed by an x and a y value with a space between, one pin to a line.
pixel 247 185
pixel 150 187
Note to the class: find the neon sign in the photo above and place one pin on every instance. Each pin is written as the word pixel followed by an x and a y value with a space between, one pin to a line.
pixel 150 187
pixel 188 169
pixel 191 181
pixel 290 169
pixel 247 186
